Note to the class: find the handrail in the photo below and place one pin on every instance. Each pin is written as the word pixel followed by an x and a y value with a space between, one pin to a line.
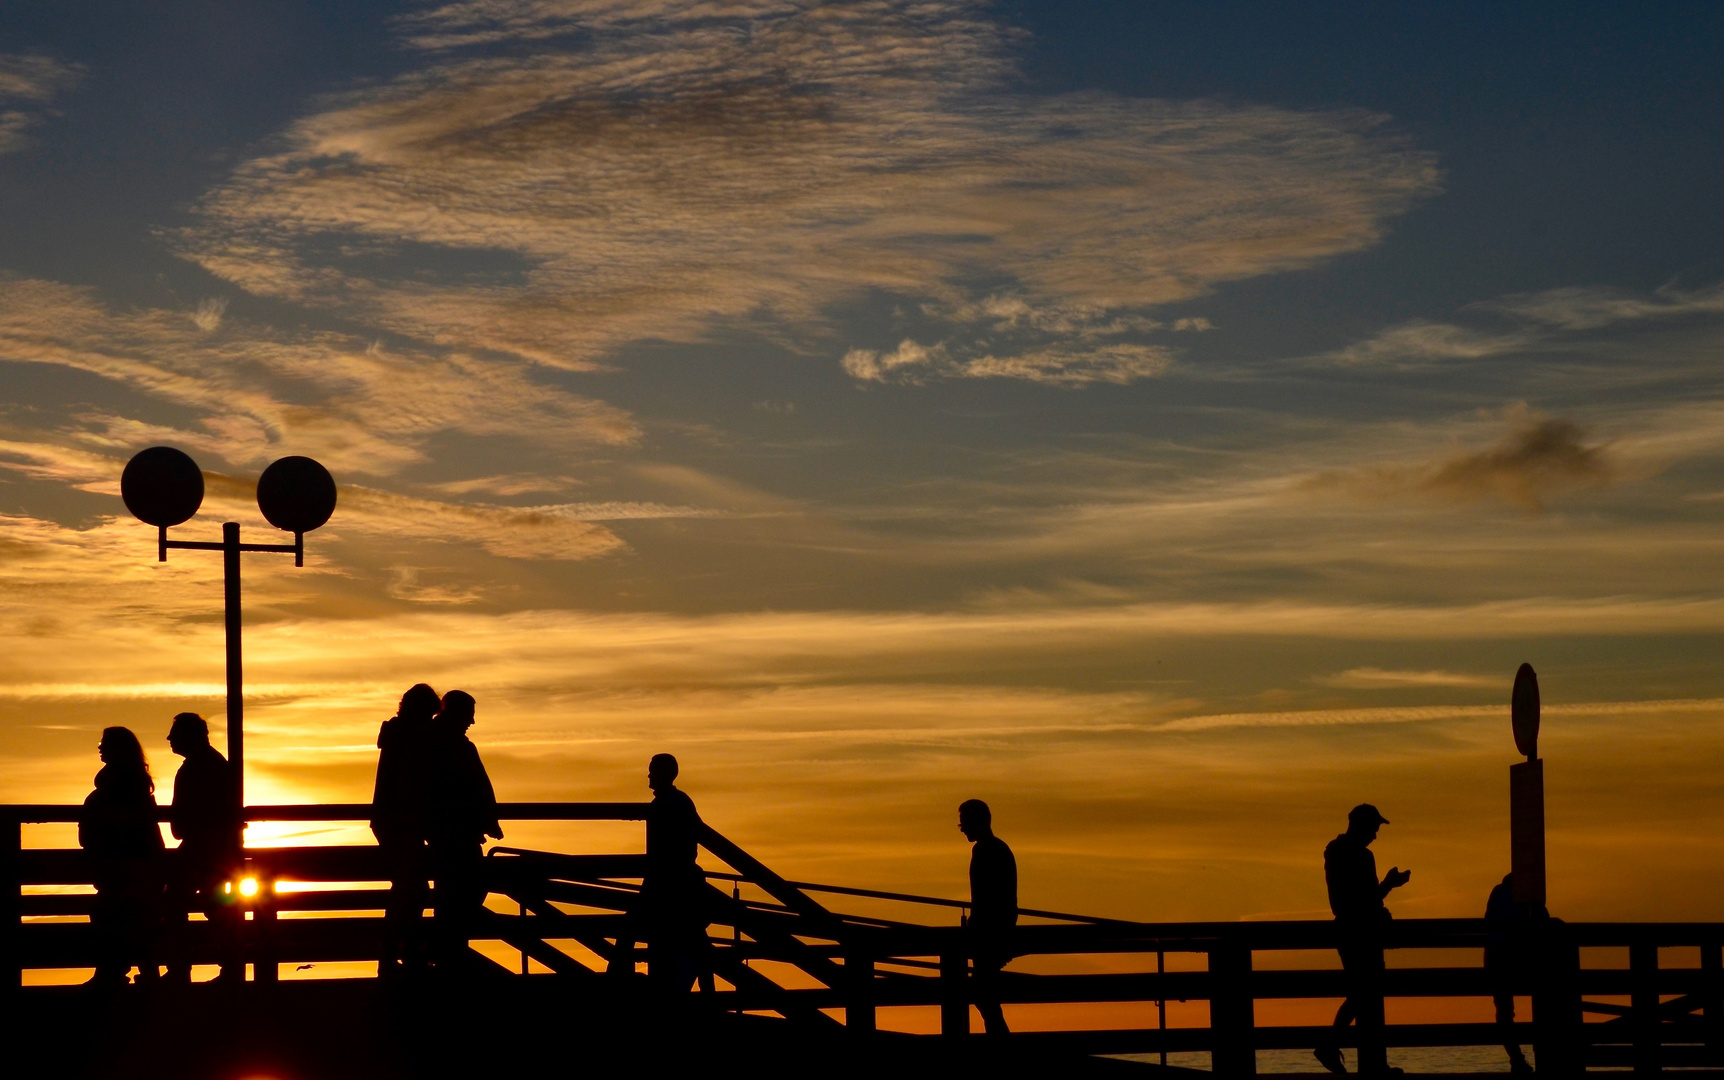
pixel 933 901
pixel 72 813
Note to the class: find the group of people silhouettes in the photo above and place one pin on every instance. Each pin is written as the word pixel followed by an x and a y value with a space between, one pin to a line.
pixel 434 806
pixel 432 809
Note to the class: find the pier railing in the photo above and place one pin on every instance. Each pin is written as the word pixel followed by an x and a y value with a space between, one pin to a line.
pixel 1647 995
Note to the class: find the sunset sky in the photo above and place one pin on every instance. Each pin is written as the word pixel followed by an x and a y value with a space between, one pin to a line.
pixel 1170 422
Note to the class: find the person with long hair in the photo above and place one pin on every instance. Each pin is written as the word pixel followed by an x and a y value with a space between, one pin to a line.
pixel 123 843
pixel 401 821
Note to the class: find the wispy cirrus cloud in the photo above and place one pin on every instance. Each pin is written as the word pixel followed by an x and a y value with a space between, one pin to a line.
pixel 28 83
pixel 1061 365
pixel 358 406
pixel 1371 678
pixel 1530 323
pixel 625 172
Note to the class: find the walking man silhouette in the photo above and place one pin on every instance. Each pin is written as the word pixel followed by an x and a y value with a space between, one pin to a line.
pixel 463 812
pixel 993 908
pixel 1356 898
pixel 205 818
pixel 672 903
pixel 400 819
pixel 1505 960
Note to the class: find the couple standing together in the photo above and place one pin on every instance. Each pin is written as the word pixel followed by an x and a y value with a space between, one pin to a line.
pixel 432 808
pixel 137 880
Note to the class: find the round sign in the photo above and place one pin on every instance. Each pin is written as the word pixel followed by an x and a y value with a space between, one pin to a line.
pixel 162 486
pixel 1523 711
pixel 296 494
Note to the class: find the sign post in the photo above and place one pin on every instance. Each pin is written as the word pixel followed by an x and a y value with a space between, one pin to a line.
pixel 1526 793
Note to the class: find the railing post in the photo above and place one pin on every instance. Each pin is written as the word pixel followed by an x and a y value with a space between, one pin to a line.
pixel 1643 979
pixel 1712 982
pixel 859 989
pixel 1232 1013
pixel 954 1000
pixel 1558 1031
pixel 11 922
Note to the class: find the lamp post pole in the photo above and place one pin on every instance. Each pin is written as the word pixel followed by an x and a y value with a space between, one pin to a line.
pixel 235 662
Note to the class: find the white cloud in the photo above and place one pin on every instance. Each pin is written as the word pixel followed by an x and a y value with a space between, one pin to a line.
pixel 908 359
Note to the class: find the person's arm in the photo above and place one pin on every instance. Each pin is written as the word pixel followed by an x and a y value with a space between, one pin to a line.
pixel 176 809
pixel 484 797
pixel 1394 879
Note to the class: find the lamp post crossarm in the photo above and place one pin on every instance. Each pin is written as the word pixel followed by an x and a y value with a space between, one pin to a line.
pixel 216 545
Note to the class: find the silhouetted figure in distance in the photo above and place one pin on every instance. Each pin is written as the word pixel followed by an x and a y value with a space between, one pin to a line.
pixel 1505 959
pixel 124 846
pixel 463 813
pixel 993 908
pixel 673 901
pixel 401 821
pixel 205 818
pixel 1356 898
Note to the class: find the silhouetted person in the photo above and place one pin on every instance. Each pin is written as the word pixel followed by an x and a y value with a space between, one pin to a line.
pixel 124 846
pixel 401 821
pixel 1356 898
pixel 993 908
pixel 673 892
pixel 1505 960
pixel 463 813
pixel 205 818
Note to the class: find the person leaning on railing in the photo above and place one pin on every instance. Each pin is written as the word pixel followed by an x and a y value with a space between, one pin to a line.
pixel 124 846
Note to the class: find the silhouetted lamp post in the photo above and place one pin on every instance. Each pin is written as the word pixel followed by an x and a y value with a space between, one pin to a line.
pixel 1526 793
pixel 164 487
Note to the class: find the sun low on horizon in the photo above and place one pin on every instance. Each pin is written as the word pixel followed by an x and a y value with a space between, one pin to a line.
pixel 1173 424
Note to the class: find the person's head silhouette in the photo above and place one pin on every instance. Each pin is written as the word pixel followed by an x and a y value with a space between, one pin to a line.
pixel 1363 821
pixel 189 733
pixel 121 751
pixel 420 702
pixel 975 820
pixel 661 772
pixel 458 710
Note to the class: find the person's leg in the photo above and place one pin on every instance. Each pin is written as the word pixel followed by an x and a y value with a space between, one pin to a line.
pixel 1329 1054
pixel 1504 1003
pixel 177 904
pixel 987 982
pixel 111 966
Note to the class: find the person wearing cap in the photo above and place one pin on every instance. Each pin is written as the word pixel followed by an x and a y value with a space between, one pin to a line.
pixel 205 819
pixel 1356 897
